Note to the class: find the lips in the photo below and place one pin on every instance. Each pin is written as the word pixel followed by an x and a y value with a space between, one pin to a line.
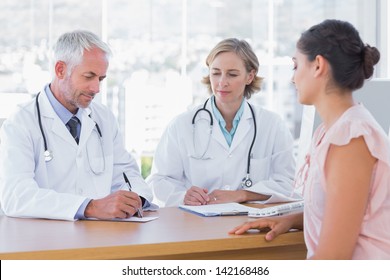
pixel 221 92
pixel 88 96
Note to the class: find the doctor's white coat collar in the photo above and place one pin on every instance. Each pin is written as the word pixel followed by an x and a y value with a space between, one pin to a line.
pixel 51 121
pixel 245 126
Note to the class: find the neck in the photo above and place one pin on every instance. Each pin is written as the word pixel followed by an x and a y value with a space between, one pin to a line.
pixel 332 105
pixel 228 112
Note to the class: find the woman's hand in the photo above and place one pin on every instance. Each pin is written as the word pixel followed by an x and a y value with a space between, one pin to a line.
pixel 275 225
pixel 196 196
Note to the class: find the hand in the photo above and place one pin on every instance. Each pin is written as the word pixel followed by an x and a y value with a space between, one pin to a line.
pixel 196 196
pixel 225 196
pixel 121 204
pixel 275 225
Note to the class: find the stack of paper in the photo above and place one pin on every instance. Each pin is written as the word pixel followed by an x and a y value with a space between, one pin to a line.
pixel 223 209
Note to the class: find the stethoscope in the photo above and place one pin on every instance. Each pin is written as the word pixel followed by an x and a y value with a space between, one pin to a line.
pixel 48 154
pixel 246 181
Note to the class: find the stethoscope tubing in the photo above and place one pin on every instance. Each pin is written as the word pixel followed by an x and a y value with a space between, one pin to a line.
pixel 40 122
pixel 48 154
pixel 248 165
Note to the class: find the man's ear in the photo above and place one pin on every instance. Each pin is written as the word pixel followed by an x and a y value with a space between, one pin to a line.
pixel 60 69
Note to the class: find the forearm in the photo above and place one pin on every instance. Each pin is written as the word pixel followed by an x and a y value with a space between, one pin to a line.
pixel 246 196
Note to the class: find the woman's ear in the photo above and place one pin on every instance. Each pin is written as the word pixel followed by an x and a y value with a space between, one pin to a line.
pixel 60 69
pixel 251 76
pixel 321 66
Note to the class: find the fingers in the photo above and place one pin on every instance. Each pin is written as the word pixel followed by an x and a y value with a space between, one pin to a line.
pixel 196 196
pixel 121 204
pixel 275 227
pixel 240 229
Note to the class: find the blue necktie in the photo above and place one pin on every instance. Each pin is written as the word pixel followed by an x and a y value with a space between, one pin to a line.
pixel 72 126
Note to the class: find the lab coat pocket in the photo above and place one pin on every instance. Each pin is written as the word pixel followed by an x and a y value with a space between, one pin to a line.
pixel 260 169
pixel 201 168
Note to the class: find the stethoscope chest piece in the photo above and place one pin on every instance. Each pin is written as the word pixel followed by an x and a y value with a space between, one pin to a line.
pixel 246 182
pixel 48 155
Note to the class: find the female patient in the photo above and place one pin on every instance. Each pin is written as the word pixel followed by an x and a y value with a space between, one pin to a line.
pixel 347 174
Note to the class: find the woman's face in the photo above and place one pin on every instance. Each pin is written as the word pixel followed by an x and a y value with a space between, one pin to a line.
pixel 228 78
pixel 303 78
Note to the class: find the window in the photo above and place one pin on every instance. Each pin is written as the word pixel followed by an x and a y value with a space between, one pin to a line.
pixel 160 49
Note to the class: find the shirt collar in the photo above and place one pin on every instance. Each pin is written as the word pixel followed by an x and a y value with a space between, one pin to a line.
pixel 60 109
pixel 221 120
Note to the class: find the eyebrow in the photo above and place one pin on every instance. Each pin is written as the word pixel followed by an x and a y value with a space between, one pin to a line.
pixel 229 70
pixel 94 74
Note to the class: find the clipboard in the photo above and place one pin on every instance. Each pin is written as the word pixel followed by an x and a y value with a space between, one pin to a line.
pixel 223 209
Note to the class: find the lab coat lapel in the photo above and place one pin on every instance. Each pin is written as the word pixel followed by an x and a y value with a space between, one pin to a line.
pixel 87 125
pixel 217 133
pixel 244 128
pixel 51 122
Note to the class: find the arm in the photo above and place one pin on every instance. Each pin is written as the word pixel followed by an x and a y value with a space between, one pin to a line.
pixel 277 167
pixel 121 202
pixel 167 178
pixel 24 184
pixel 348 172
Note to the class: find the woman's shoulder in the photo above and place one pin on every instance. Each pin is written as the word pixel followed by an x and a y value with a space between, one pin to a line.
pixel 358 122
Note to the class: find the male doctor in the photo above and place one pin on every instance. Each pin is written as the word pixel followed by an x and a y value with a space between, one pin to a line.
pixel 62 155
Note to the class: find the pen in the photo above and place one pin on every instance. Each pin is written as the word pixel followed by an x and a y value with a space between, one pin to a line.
pixel 234 213
pixel 139 212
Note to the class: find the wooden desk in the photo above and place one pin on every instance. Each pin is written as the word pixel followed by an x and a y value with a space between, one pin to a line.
pixel 176 234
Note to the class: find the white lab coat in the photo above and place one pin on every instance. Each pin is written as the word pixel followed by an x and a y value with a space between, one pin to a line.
pixel 175 168
pixel 31 187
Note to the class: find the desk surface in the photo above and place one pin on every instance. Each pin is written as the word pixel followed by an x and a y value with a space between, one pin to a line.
pixel 176 234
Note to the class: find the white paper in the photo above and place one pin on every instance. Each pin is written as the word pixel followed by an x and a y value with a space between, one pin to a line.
pixel 131 219
pixel 222 209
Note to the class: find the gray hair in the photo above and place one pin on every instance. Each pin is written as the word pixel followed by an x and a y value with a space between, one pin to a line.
pixel 70 47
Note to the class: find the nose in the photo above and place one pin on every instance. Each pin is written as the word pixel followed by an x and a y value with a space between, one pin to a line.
pixel 222 81
pixel 94 86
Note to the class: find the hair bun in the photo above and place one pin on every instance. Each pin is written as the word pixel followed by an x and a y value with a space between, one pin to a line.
pixel 371 57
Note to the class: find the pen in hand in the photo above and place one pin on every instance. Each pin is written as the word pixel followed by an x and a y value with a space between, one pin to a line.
pixel 139 211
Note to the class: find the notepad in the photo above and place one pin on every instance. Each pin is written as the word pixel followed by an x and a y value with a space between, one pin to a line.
pixel 222 209
pixel 130 219
pixel 277 210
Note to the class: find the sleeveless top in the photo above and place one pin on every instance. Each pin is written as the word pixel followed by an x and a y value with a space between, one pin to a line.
pixel 374 238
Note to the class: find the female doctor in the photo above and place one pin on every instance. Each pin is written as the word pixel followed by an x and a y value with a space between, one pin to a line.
pixel 225 150
pixel 47 172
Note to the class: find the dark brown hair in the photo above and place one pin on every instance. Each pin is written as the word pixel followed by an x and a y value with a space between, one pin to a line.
pixel 339 42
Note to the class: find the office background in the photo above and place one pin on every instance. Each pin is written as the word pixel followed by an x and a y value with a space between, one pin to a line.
pixel 160 48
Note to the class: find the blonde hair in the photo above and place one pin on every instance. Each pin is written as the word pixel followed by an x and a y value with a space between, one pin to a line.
pixel 246 53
